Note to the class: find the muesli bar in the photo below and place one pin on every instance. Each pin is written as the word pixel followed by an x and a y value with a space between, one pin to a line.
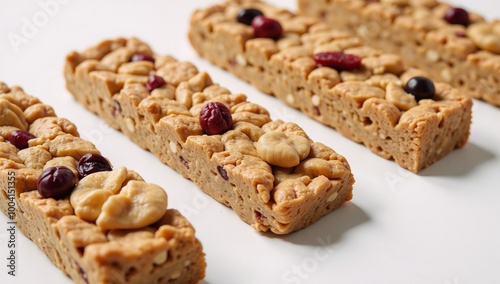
pixel 453 45
pixel 269 172
pixel 331 76
pixel 96 223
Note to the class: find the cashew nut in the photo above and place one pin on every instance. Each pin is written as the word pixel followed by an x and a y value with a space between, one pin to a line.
pixel 486 35
pixel 278 149
pixel 137 205
pixel 93 190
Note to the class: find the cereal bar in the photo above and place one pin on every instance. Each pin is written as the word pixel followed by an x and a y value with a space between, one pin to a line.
pixel 363 93
pixel 451 44
pixel 96 223
pixel 269 172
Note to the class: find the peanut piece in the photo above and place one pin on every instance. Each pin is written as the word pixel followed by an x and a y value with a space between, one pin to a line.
pixel 399 97
pixel 11 114
pixel 143 68
pixel 35 157
pixel 486 35
pixel 314 167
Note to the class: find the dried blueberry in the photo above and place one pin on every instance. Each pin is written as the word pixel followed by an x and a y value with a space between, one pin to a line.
pixel 420 87
pixel 245 16
pixel 92 163
pixel 215 118
pixel 20 138
pixel 56 182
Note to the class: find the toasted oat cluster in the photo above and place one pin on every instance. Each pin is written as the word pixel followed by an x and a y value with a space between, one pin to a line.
pixel 330 75
pixel 453 45
pixel 95 223
pixel 269 172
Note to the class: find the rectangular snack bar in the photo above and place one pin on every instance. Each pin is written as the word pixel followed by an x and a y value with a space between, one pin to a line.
pixel 452 45
pixel 96 232
pixel 368 104
pixel 269 172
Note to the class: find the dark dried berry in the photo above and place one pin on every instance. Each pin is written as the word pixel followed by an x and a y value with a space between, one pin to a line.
pixel 266 27
pixel 154 82
pixel 421 88
pixel 20 138
pixel 92 163
pixel 56 182
pixel 116 109
pixel 184 162
pixel 222 172
pixel 142 57
pixel 215 118
pixel 245 16
pixel 337 60
pixel 457 16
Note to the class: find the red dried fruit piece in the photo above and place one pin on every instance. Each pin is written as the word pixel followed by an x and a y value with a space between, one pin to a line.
pixel 92 163
pixel 266 27
pixel 20 138
pixel 56 182
pixel 215 118
pixel 457 16
pixel 222 172
pixel 154 82
pixel 337 60
pixel 142 57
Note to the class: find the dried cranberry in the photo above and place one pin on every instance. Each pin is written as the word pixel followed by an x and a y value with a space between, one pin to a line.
pixel 142 57
pixel 222 172
pixel 337 60
pixel 56 182
pixel 245 16
pixel 266 27
pixel 184 162
pixel 154 82
pixel 92 163
pixel 461 34
pixel 215 118
pixel 116 109
pixel 420 87
pixel 20 138
pixel 457 16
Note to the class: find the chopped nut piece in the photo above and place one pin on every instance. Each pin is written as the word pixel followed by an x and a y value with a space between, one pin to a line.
pixel 137 205
pixel 278 149
pixel 92 192
pixel 399 97
pixel 486 35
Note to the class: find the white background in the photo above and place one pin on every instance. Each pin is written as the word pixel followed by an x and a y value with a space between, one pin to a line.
pixel 441 226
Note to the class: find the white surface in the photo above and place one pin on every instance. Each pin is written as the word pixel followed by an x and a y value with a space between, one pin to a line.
pixel 441 226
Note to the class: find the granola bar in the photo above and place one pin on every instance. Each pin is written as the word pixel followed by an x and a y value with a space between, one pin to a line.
pixel 269 172
pixel 451 44
pixel 368 104
pixel 131 238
